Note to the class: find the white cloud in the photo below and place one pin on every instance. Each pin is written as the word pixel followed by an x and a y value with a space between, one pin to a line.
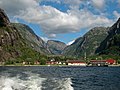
pixel 98 3
pixel 51 20
pixel 71 42
pixel 52 35
pixel 13 7
pixel 116 14
pixel 73 4
pixel 55 22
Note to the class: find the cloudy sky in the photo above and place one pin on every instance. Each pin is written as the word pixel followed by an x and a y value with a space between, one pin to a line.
pixel 63 20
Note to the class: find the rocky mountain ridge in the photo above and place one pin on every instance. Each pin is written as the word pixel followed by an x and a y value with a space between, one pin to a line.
pixel 50 47
pixel 55 47
pixel 32 39
pixel 88 43
pixel 4 21
pixel 18 41
pixel 10 39
pixel 111 44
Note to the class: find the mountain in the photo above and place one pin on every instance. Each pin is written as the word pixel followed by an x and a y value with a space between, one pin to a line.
pixel 88 43
pixel 55 47
pixel 10 38
pixel 111 44
pixel 31 38
pixel 19 42
pixel 4 21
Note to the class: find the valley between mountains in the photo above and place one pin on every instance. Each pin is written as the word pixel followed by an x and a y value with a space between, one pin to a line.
pixel 19 43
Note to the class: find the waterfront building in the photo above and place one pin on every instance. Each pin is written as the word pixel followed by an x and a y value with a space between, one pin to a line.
pixel 76 63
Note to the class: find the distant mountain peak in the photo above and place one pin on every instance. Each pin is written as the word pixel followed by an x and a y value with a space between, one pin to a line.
pixel 56 47
pixel 71 42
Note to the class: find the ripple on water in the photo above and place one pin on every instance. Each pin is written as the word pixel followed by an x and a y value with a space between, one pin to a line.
pixel 59 78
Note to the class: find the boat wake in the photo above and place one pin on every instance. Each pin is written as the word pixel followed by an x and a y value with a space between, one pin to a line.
pixel 34 82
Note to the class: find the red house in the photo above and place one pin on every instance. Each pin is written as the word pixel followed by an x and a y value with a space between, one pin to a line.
pixel 111 61
pixel 102 62
pixel 98 62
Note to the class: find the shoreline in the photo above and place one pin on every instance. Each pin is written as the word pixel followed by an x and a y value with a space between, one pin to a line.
pixel 60 65
pixel 47 65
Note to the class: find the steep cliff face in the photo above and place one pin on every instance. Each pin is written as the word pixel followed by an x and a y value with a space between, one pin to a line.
pixel 111 44
pixel 18 41
pixel 88 43
pixel 55 47
pixel 71 49
pixel 4 21
pixel 31 38
pixel 9 38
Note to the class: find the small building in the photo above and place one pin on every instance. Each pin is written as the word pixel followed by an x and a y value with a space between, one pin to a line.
pixel 102 62
pixel 36 62
pixel 62 62
pixel 76 63
pixel 111 61
pixel 98 62
pixel 23 63
pixel 51 62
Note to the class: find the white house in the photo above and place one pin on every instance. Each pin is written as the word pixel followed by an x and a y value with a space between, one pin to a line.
pixel 76 63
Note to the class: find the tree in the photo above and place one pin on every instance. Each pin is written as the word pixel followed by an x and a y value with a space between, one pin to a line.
pixel 43 61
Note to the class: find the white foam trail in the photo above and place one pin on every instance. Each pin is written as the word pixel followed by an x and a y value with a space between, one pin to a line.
pixel 34 82
pixel 7 83
pixel 64 84
pixel 68 83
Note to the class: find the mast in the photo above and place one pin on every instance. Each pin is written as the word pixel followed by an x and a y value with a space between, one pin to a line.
pixel 85 56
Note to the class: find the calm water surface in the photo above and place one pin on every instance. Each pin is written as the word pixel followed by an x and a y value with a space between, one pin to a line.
pixel 59 78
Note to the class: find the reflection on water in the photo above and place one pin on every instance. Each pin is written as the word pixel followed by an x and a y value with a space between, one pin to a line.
pixel 59 78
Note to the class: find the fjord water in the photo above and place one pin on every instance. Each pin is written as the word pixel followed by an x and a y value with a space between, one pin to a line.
pixel 59 78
